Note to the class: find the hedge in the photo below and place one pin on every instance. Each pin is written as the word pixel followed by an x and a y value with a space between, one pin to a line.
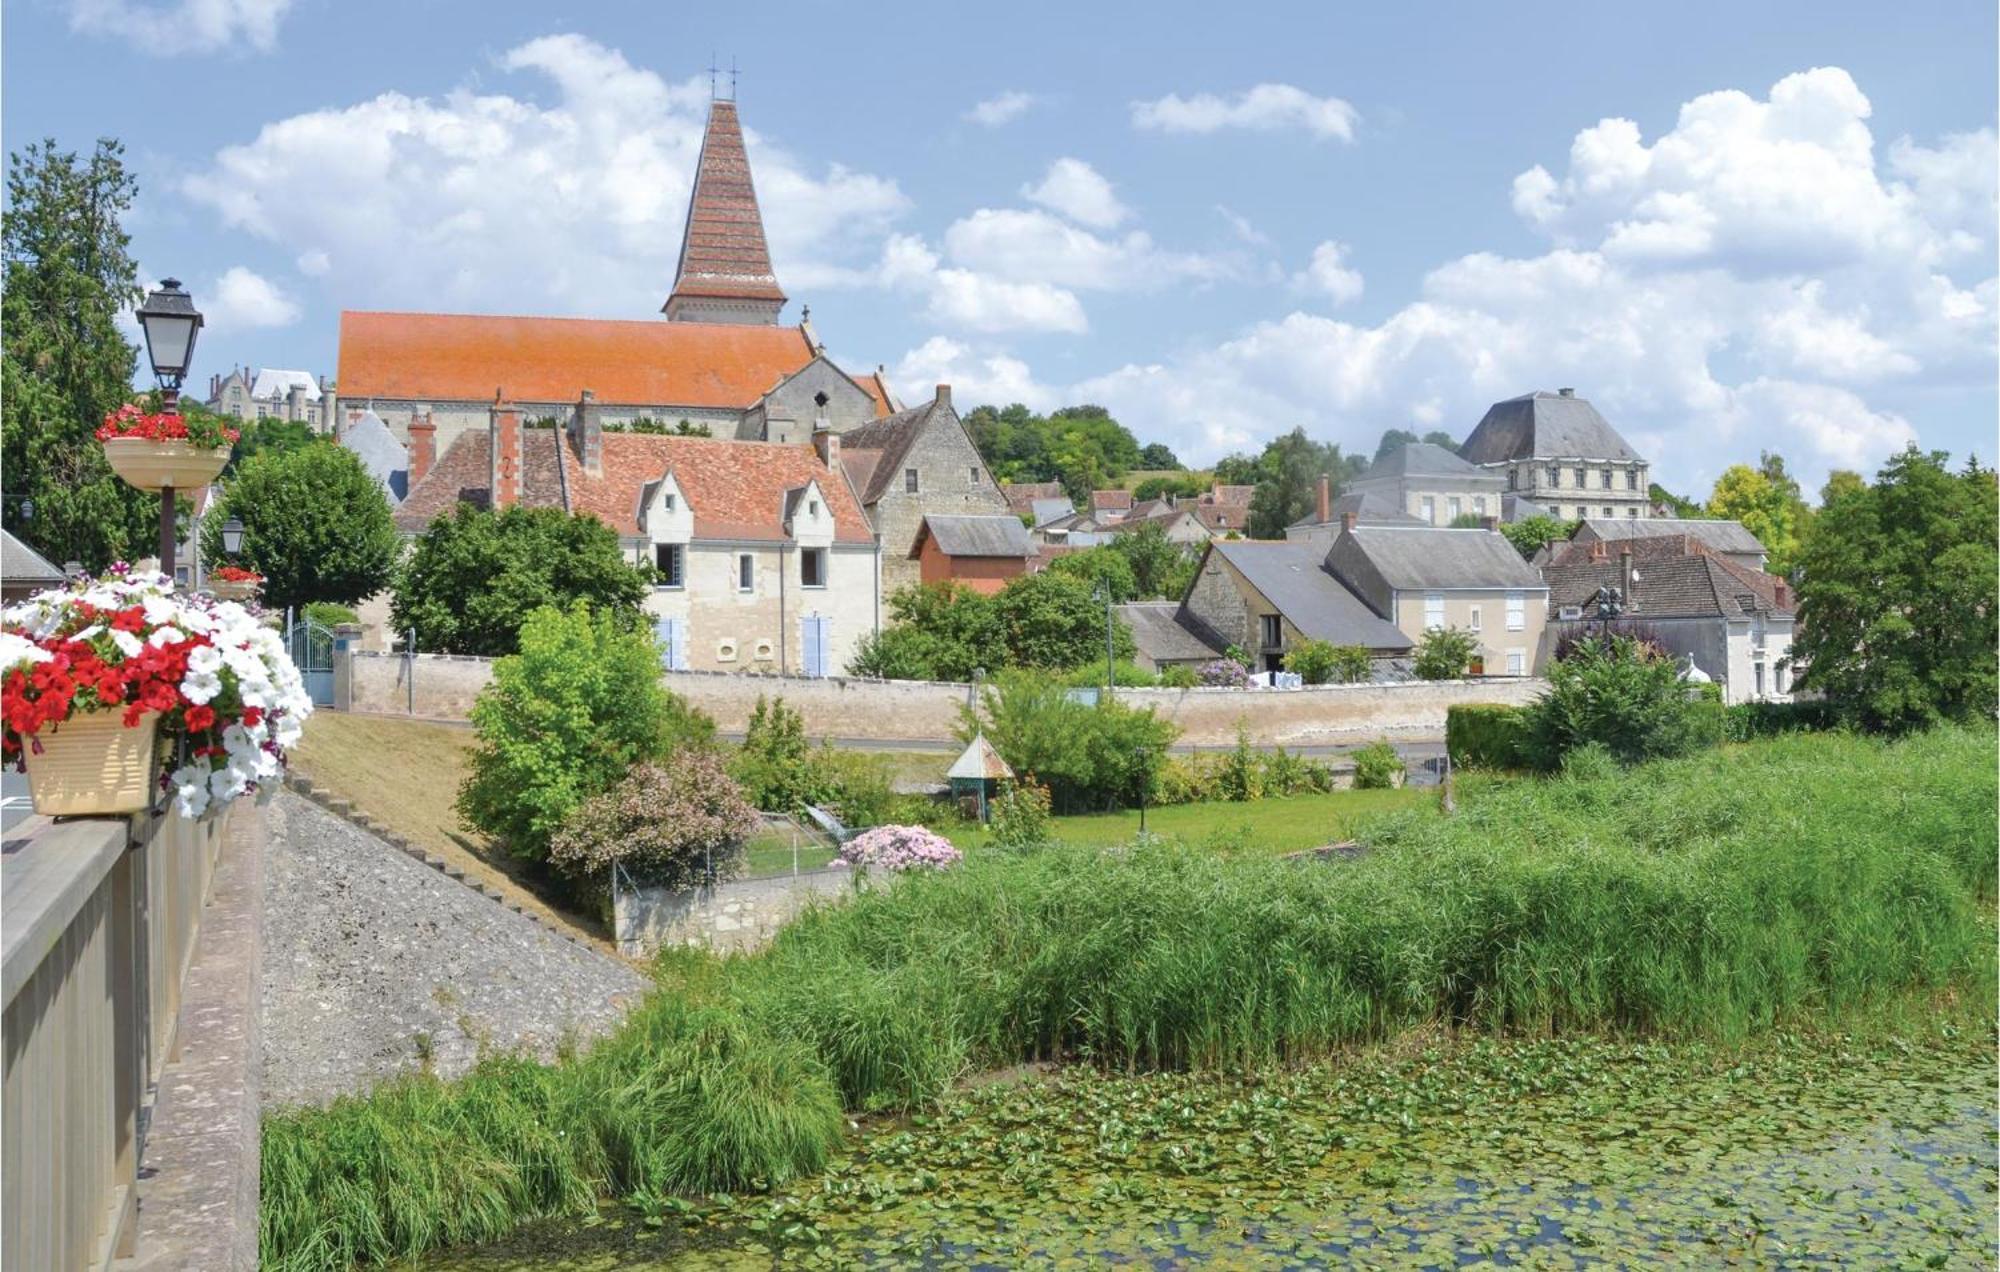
pixel 1486 735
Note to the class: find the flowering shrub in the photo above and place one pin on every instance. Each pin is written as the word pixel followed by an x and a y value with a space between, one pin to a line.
pixel 676 824
pixel 200 429
pixel 234 574
pixel 221 682
pixel 899 848
pixel 1224 673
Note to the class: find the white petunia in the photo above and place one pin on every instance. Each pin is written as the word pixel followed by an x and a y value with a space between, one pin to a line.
pixel 200 687
pixel 204 660
pixel 166 636
pixel 128 644
pixel 17 651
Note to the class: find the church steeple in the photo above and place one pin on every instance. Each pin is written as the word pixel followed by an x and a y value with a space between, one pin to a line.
pixel 725 270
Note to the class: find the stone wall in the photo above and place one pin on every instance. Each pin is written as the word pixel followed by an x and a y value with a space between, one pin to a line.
pixel 927 711
pixel 729 917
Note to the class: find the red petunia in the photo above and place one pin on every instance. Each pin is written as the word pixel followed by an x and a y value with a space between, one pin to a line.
pixel 200 718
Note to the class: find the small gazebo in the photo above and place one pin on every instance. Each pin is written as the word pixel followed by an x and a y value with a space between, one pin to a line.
pixel 976 772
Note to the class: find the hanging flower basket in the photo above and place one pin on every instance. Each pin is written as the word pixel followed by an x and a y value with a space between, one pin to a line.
pixel 93 764
pixel 234 583
pixel 92 675
pixel 165 448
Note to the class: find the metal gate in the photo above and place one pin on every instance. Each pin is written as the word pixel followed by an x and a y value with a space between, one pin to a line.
pixel 311 648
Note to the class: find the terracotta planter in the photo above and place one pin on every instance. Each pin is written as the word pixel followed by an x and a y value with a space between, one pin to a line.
pixel 238 590
pixel 149 465
pixel 92 764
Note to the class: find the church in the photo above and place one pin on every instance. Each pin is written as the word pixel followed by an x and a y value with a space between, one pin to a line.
pixel 719 358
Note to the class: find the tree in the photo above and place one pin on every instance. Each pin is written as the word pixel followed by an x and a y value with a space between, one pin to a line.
pixel 269 436
pixel 1467 521
pixel 1237 470
pixel 1103 566
pixel 1767 501
pixel 1674 503
pixel 1288 481
pixel 1898 599
pixel 1395 439
pixel 561 721
pixel 1180 485
pixel 1444 653
pixel 674 826
pixel 475 574
pixel 315 525
pixel 64 363
pixel 1052 621
pixel 1161 568
pixel 1841 481
pixel 1620 693
pixel 1082 447
pixel 1530 534
pixel 936 631
pixel 1157 455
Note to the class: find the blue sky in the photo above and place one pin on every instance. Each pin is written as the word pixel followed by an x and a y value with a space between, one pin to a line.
pixel 1733 227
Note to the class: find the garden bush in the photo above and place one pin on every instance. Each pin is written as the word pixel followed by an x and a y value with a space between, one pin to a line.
pixel 1089 756
pixel 1747 720
pixel 1321 662
pixel 1224 673
pixel 1444 653
pixel 1486 735
pixel 1622 693
pixel 1130 675
pixel 674 825
pixel 1019 815
pixel 782 772
pixel 900 848
pixel 1377 767
pixel 1178 676
pixel 330 614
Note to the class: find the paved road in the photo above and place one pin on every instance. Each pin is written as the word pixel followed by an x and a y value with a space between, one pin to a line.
pixel 14 804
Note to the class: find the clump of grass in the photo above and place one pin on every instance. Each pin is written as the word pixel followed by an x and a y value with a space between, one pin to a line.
pixel 1810 878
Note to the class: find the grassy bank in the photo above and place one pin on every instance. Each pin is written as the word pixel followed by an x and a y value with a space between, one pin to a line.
pixel 1807 879
pixel 1263 827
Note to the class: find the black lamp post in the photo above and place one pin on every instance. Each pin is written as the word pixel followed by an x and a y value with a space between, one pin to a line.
pixel 232 536
pixel 1610 604
pixel 171 323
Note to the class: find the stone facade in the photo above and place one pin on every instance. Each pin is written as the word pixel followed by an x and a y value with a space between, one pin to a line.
pixel 817 391
pixel 937 457
pixel 1574 489
pixel 765 629
pixel 1507 623
pixel 1229 606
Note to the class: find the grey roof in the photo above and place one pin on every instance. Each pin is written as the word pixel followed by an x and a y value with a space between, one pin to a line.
pixel 1669 587
pixel 997 535
pixel 1544 426
pixel 978 762
pixel 20 563
pixel 1515 508
pixel 1419 459
pixel 1046 510
pixel 1415 558
pixel 1293 577
pixel 1166 633
pixel 386 459
pixel 890 438
pixel 1368 507
pixel 1723 536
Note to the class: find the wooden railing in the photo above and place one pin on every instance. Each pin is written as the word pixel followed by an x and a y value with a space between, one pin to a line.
pixel 99 923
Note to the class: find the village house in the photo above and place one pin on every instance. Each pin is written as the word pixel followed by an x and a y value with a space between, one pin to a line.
pixel 1024 497
pixel 1165 634
pixel 1731 623
pixel 765 560
pixel 979 552
pixel 1266 596
pixel 1175 519
pixel 1730 540
pixel 1368 508
pixel 1423 577
pixel 911 465
pixel 1556 450
pixel 1107 506
pixel 1431 484
pixel 719 359
pixel 1224 509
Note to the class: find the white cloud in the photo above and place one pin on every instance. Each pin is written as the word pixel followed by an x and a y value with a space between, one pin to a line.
pixel 1077 191
pixel 976 377
pixel 1032 246
pixel 966 299
pixel 1329 274
pixel 489 201
pixel 243 299
pixel 314 263
pixel 1265 108
pixel 1003 109
pixel 191 26
pixel 1242 228
pixel 1739 283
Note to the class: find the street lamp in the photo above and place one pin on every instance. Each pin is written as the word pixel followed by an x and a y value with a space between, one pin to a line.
pixel 232 536
pixel 1610 604
pixel 171 323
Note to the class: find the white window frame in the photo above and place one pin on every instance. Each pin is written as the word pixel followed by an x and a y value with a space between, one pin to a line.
pixel 1479 505
pixel 1517 611
pixel 1433 610
pixel 1427 505
pixel 746 572
pixel 1473 625
pixel 679 554
pixel 823 556
pixel 1454 506
pixel 1517 662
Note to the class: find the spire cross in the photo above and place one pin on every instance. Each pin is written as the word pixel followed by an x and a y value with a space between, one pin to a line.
pixel 713 70
pixel 732 77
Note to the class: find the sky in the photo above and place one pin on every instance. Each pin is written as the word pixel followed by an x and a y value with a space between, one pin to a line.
pixel 1732 227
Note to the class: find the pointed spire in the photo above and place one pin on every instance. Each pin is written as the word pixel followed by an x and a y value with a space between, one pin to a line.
pixel 725 270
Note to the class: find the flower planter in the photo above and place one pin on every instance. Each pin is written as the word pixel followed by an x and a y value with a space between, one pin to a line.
pixel 92 764
pixel 150 465
pixel 238 590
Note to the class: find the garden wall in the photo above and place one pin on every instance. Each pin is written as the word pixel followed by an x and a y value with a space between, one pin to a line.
pixel 728 917
pixel 926 711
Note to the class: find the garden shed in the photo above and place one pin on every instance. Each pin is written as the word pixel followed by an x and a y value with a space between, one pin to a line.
pixel 976 773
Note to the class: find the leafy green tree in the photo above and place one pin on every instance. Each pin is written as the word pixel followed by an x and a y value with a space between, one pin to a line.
pixel 475 574
pixel 1529 534
pixel 1312 660
pixel 1622 694
pixel 1675 504
pixel 1395 439
pixel 1088 756
pixel 1898 599
pixel 563 720
pixel 1161 568
pixel 1082 447
pixel 1841 481
pixel 1766 499
pixel 937 631
pixel 1157 455
pixel 772 763
pixel 64 363
pixel 1444 653
pixel 1103 566
pixel 1288 481
pixel 1179 485
pixel 1049 620
pixel 315 525
pixel 1238 470
pixel 269 436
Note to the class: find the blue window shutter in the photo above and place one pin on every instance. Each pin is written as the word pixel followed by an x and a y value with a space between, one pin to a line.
pixel 825 646
pixel 663 630
pixel 679 646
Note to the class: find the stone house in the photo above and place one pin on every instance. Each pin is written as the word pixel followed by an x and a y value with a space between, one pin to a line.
pixel 1431 484
pixel 917 463
pixel 1165 634
pixel 981 552
pixel 1224 509
pixel 1556 450
pixel 1369 508
pixel 1024 497
pixel 1266 596
pixel 766 561
pixel 272 393
pixel 1175 519
pixel 1107 506
pixel 1730 540
pixel 1422 577
pixel 1732 622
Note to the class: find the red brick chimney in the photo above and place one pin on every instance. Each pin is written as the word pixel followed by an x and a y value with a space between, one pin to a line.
pixel 1599 554
pixel 503 431
pixel 1347 523
pixel 423 446
pixel 1784 591
pixel 1325 499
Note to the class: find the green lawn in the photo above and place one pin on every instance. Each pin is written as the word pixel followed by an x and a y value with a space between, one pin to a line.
pixel 1265 827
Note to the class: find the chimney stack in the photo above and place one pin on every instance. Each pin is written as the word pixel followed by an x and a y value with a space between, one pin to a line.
pixel 1347 523
pixel 1566 392
pixel 503 432
pixel 1599 553
pixel 1325 494
pixel 1784 591
pixel 586 434
pixel 944 396
pixel 423 446
pixel 827 443
pixel 1625 574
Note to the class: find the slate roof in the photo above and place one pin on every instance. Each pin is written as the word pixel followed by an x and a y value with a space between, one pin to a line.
pixel 736 490
pixel 1701 586
pixel 1293 577
pixel 723 253
pixel 1370 507
pixel 1515 508
pixel 1422 558
pixel 386 459
pixel 996 535
pixel 1165 632
pixel 21 565
pixel 1420 459
pixel 1023 495
pixel 1046 510
pixel 1723 536
pixel 873 453
pixel 1544 425
pixel 275 384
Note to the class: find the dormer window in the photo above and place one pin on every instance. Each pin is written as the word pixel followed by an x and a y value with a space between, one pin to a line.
pixel 667 502
pixel 812 507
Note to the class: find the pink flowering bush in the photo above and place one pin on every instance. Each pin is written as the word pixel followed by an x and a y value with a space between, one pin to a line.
pixel 1224 673
pixel 900 848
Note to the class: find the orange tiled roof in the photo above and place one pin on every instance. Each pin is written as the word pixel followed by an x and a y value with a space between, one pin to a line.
pixel 722 251
pixel 467 357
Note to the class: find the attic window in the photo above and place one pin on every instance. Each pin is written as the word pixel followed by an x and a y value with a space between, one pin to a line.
pixel 667 502
pixel 812 507
pixel 910 480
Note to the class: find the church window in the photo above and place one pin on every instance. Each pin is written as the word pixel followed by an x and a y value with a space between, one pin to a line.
pixel 910 480
pixel 671 561
pixel 812 567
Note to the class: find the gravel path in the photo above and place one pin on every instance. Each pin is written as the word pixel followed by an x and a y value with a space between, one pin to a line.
pixel 375 964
